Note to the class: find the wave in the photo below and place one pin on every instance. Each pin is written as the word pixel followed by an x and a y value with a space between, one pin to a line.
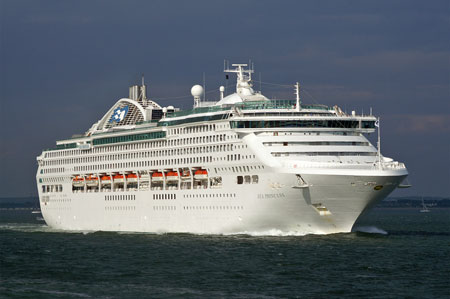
pixel 43 228
pixel 369 230
pixel 419 233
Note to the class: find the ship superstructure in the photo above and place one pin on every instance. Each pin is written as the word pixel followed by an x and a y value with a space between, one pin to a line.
pixel 245 163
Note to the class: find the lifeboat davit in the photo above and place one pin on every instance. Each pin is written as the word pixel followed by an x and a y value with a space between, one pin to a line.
pixel 201 174
pixel 78 181
pixel 92 181
pixel 106 179
pixel 132 178
pixel 157 177
pixel 172 176
pixel 186 175
pixel 118 178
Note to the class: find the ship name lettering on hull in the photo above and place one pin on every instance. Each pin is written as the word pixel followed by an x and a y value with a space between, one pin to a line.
pixel 270 195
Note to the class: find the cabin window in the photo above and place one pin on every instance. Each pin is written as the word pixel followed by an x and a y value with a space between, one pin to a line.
pixel 240 179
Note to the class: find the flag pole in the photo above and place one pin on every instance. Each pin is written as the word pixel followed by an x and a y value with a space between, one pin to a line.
pixel 379 143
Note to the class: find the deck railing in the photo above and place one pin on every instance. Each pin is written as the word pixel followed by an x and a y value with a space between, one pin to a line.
pixel 248 105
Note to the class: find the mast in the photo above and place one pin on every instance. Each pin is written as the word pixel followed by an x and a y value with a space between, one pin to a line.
pixel 244 78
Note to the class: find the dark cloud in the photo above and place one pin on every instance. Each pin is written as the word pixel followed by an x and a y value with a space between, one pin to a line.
pixel 64 63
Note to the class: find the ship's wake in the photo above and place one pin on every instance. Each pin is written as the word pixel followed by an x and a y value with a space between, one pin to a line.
pixel 36 228
pixel 25 227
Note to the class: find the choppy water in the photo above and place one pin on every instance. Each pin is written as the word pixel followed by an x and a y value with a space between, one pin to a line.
pixel 397 253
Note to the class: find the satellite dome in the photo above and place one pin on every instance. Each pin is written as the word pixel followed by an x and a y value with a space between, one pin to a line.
pixel 197 90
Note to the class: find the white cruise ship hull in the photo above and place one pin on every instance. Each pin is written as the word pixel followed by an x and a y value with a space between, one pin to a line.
pixel 330 204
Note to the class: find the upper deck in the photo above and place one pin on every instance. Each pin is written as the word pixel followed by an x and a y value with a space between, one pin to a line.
pixel 139 118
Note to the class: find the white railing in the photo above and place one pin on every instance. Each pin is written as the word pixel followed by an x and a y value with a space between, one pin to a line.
pixel 367 166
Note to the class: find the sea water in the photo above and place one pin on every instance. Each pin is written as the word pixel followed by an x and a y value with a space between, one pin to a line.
pixel 392 253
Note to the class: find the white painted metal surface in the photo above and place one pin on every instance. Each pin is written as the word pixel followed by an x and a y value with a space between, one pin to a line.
pixel 294 178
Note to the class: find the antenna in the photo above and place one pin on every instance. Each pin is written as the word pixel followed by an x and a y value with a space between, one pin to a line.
pixel 260 87
pixel 226 84
pixel 204 87
pixel 142 90
pixel 297 94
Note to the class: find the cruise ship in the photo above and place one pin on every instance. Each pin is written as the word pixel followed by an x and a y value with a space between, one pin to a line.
pixel 243 164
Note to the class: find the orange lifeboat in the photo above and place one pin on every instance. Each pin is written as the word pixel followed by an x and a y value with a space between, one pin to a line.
pixel 118 178
pixel 201 174
pixel 106 179
pixel 78 181
pixel 172 176
pixel 92 181
pixel 157 177
pixel 132 178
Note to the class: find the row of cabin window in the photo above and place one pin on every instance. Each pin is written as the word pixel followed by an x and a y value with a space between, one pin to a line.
pixel 164 196
pixel 213 207
pixel 194 140
pixel 246 179
pixel 52 170
pixel 52 188
pixel 310 133
pixel 339 143
pixel 190 160
pixel 193 150
pixel 204 159
pixel 193 129
pixel 142 154
pixel 210 195
pixel 164 208
pixel 120 197
pixel 120 208
pixel 140 145
pixel 285 154
pixel 160 153
pixel 51 180
pixel 129 138
pixel 303 124
pixel 240 168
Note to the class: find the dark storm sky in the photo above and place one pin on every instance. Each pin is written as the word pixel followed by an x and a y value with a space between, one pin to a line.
pixel 64 63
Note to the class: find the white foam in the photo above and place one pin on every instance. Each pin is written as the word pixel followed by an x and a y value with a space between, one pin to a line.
pixel 369 230
pixel 270 232
pixel 35 228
